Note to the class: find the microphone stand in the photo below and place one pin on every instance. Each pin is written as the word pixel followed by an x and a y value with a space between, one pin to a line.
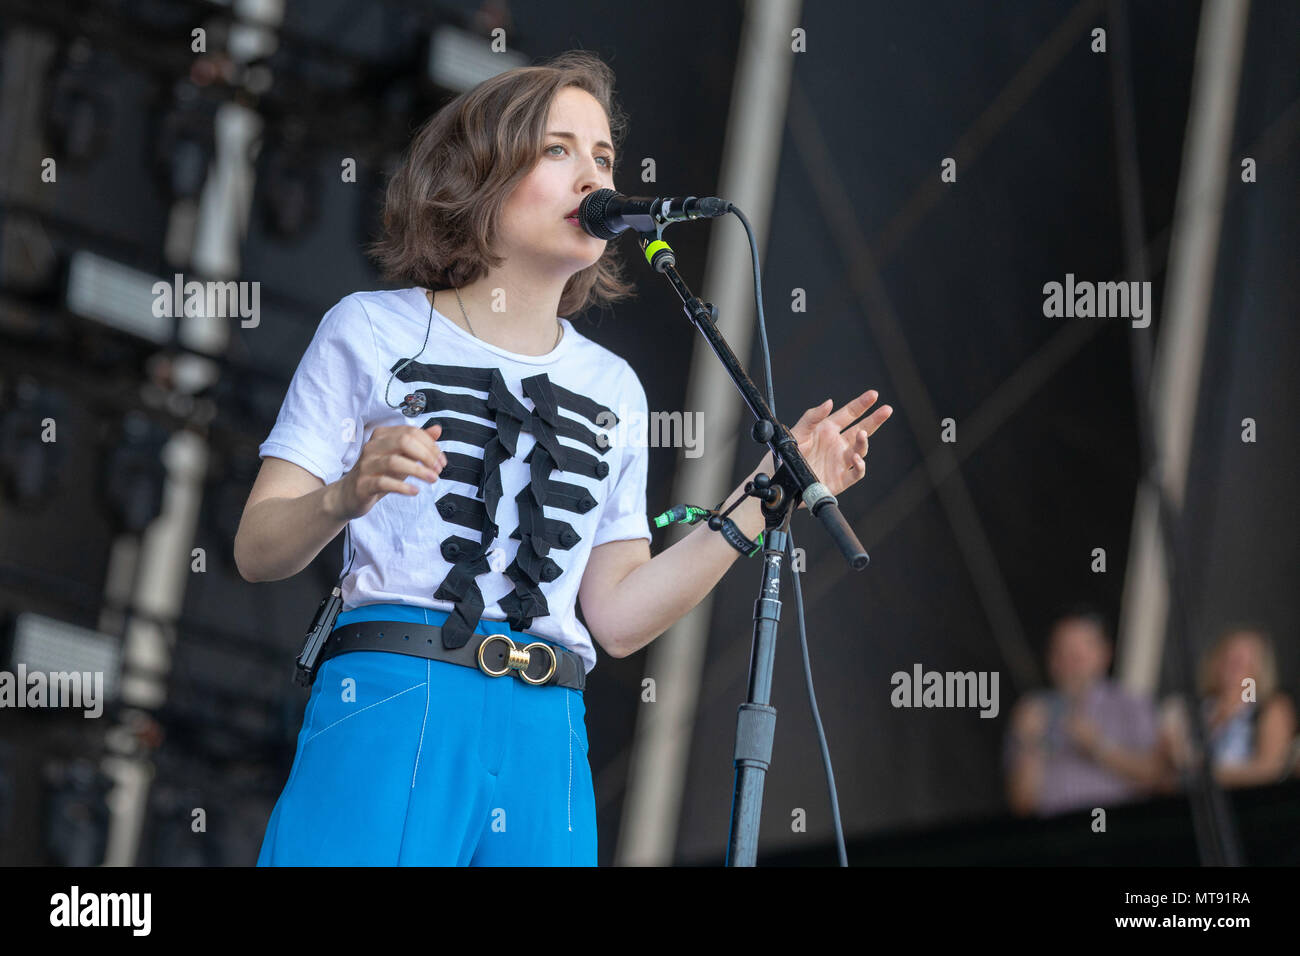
pixel 793 481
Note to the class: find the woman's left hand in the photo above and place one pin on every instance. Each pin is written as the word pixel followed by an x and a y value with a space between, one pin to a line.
pixel 837 457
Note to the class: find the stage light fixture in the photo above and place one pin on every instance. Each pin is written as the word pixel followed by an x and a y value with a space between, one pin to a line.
pixel 134 474
pixel 116 295
pixel 184 143
pixel 51 646
pixel 76 812
pixel 289 186
pixel 30 467
pixel 80 112
pixel 460 60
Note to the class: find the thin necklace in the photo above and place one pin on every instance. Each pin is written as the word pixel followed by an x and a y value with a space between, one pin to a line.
pixel 559 329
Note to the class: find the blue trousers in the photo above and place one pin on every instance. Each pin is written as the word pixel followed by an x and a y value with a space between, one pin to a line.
pixel 403 761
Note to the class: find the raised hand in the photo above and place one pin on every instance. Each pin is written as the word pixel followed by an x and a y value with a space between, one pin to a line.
pixel 837 457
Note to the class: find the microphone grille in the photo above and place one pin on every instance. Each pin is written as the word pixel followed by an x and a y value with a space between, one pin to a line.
pixel 591 214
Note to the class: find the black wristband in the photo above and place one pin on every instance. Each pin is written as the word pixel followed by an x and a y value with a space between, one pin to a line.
pixel 736 538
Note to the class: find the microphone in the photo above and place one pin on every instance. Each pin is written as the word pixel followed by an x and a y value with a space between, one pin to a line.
pixel 605 213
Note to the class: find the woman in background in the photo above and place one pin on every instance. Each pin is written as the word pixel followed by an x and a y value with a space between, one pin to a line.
pixel 1251 723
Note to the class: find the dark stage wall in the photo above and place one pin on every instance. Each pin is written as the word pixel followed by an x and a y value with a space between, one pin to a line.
pixel 1027 107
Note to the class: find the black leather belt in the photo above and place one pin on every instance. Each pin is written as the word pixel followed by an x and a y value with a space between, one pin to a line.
pixel 494 654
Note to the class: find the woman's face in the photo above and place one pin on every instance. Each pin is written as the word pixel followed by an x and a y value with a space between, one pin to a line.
pixel 1238 659
pixel 533 219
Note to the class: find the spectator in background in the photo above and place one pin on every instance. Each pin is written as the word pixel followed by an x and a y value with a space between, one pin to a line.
pixel 1085 742
pixel 1251 724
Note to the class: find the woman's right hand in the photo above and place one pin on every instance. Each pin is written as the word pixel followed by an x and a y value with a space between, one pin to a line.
pixel 393 453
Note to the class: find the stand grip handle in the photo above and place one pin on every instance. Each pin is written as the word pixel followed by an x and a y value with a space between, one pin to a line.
pixel 827 511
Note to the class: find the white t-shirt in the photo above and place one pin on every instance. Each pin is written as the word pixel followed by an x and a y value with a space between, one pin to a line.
pixel 448 548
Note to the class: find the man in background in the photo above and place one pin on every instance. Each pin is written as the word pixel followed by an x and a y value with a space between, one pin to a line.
pixel 1085 742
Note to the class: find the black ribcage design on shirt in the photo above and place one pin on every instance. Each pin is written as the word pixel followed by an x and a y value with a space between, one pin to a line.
pixel 537 534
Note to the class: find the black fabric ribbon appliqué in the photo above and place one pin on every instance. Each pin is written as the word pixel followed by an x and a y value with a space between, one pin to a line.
pixel 537 534
pixel 531 566
pixel 509 414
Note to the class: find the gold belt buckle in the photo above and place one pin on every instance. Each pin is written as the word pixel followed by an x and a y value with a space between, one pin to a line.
pixel 517 658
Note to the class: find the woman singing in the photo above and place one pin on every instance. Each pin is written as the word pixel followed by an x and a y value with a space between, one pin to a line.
pixel 457 428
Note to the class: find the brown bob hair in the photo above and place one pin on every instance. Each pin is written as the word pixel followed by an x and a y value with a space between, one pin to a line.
pixel 442 207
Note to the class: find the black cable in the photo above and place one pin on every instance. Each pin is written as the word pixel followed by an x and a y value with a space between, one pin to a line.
pixel 347 536
pixel 798 591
